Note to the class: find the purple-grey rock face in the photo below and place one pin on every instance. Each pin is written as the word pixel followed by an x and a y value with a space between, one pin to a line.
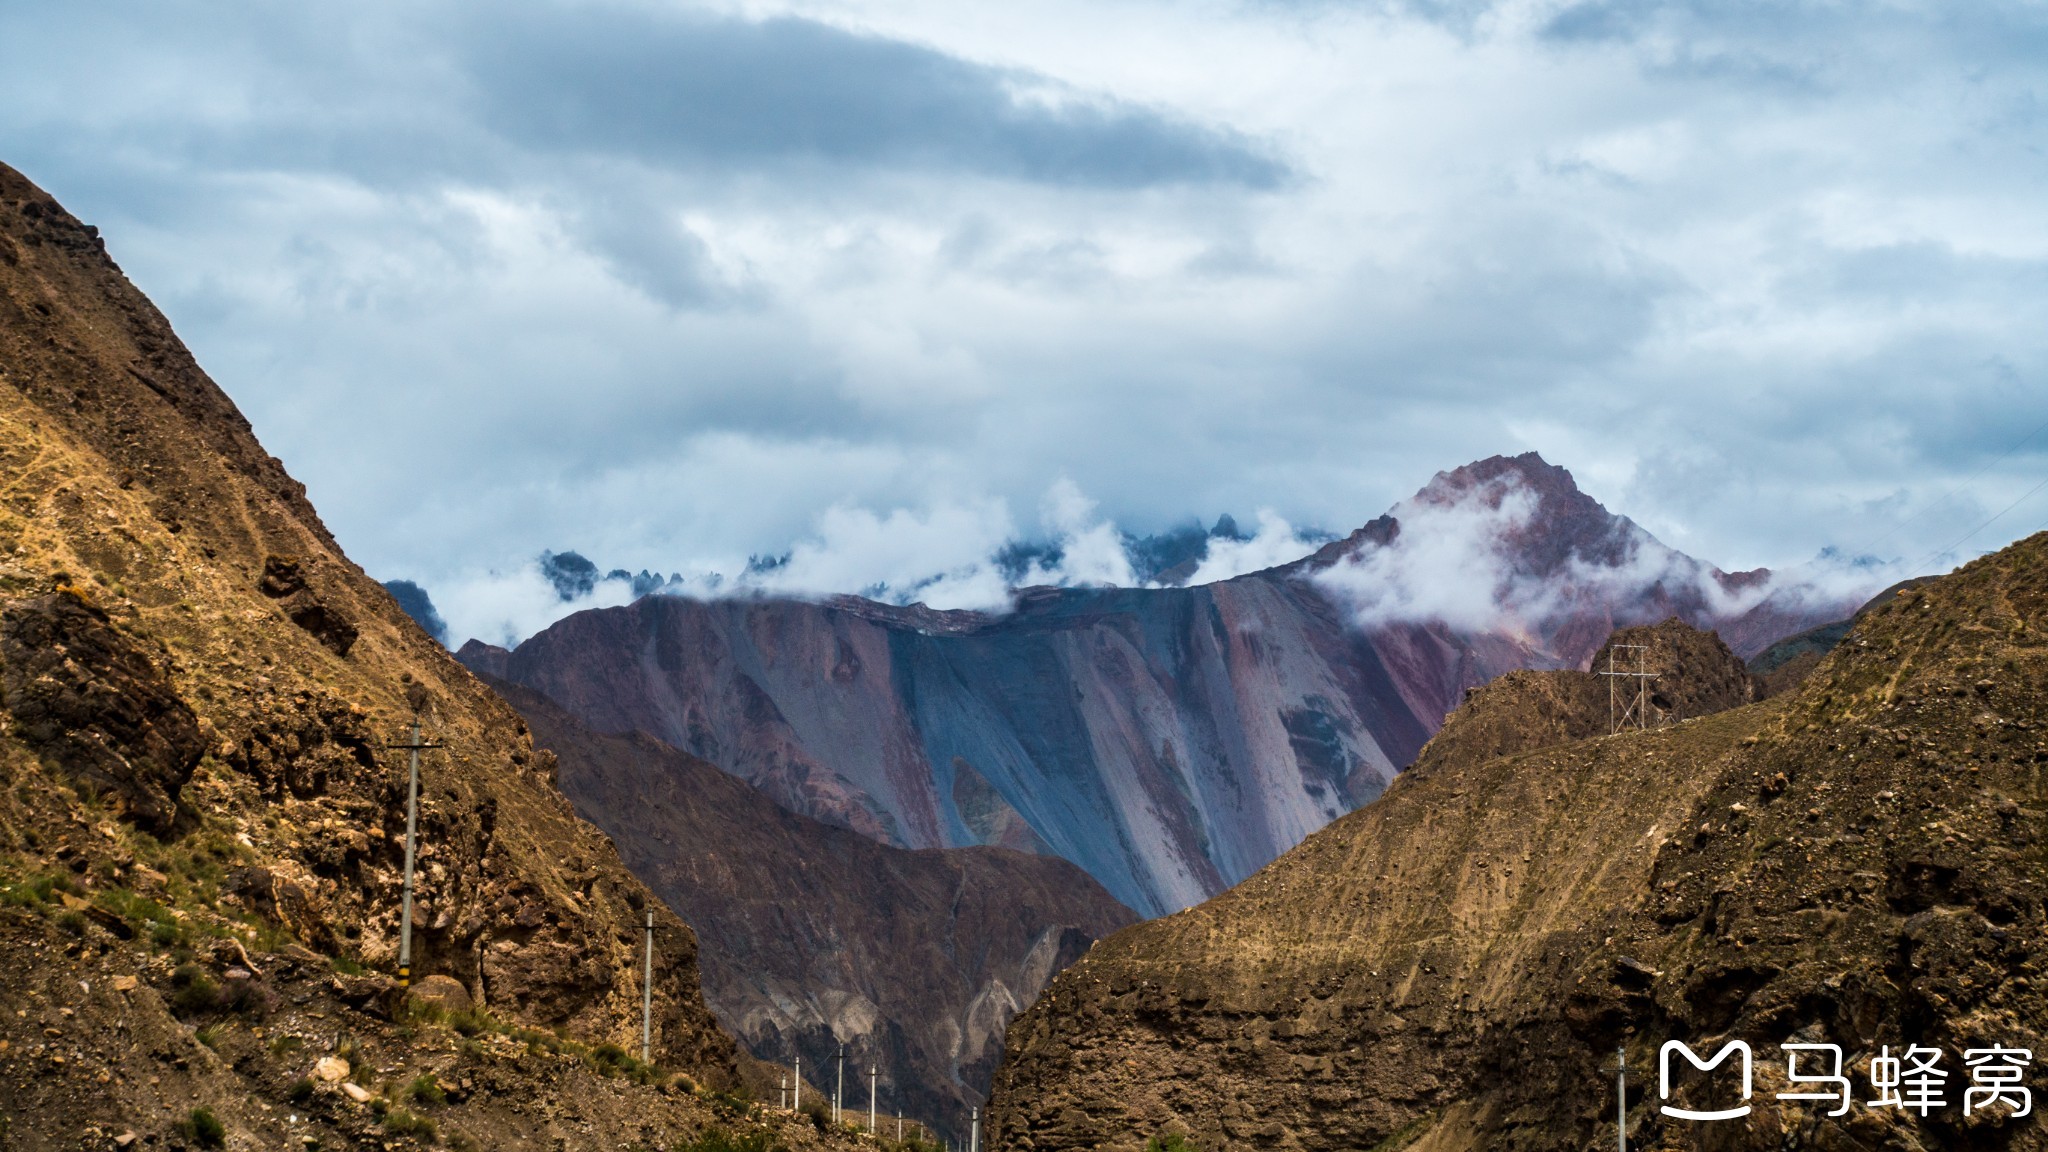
pixel 1171 741
pixel 813 936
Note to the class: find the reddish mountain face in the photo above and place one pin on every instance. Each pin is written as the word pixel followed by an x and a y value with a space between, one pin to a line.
pixel 1170 741
pixel 814 936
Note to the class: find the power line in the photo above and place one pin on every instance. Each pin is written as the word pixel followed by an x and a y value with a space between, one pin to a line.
pixel 1978 475
pixel 1938 553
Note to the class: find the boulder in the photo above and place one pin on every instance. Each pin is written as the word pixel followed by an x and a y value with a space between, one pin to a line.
pixel 440 993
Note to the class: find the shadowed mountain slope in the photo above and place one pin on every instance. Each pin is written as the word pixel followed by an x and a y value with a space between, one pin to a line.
pixel 1169 740
pixel 201 821
pixel 1860 862
pixel 812 935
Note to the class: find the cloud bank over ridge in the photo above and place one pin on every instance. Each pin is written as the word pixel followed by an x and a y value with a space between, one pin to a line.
pixel 1459 558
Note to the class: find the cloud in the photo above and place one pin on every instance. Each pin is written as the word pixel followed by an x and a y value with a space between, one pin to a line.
pixel 681 88
pixel 505 607
pixel 1477 560
pixel 940 557
pixel 1090 548
pixel 671 282
pixel 1275 543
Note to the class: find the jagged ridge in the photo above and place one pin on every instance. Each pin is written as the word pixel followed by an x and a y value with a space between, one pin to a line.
pixel 1860 862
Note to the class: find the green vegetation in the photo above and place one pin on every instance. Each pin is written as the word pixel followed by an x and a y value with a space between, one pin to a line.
pixel 193 991
pixel 1406 1135
pixel 612 1060
pixel 403 1123
pixel 203 1128
pixel 1170 1142
pixel 35 891
pixel 725 1140
pixel 300 1091
pixel 424 1089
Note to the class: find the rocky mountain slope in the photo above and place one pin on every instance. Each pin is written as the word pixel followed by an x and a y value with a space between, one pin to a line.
pixel 812 936
pixel 1169 740
pixel 201 821
pixel 1861 862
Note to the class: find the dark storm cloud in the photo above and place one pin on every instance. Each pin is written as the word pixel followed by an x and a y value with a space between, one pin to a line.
pixel 688 90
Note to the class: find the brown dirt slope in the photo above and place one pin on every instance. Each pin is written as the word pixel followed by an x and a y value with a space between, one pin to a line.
pixel 195 691
pixel 813 935
pixel 1695 674
pixel 1861 862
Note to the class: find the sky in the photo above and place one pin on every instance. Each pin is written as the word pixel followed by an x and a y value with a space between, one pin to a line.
pixel 883 284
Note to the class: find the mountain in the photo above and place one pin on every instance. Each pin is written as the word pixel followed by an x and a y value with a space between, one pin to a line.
pixel 812 936
pixel 202 817
pixel 1168 740
pixel 1858 862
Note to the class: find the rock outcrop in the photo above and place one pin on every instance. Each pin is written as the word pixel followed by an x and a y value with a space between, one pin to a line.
pixel 1857 863
pixel 812 936
pixel 95 703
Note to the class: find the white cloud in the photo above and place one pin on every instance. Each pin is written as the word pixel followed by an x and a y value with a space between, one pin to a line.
pixel 1091 551
pixel 1275 543
pixel 1462 559
pixel 506 607
pixel 1451 563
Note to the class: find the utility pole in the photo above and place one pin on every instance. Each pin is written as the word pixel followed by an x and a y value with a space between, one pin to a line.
pixel 1639 708
pixel 647 998
pixel 798 1103
pixel 839 1092
pixel 782 1094
pixel 1620 1071
pixel 974 1132
pixel 872 1126
pixel 413 749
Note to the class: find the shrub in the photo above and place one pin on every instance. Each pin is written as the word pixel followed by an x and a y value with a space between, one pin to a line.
pixel 725 1140
pixel 821 1117
pixel 72 922
pixel 203 1128
pixel 404 1123
pixel 300 1091
pixel 193 990
pixel 424 1089
pixel 1169 1142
